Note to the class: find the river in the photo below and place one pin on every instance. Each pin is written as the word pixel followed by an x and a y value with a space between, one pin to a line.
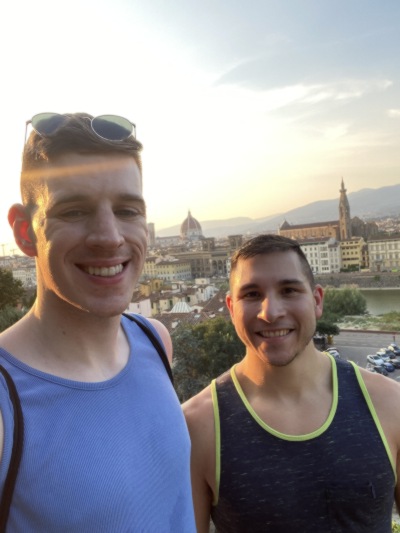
pixel 380 301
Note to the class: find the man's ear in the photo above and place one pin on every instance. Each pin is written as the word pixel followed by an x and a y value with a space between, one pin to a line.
pixel 229 304
pixel 20 222
pixel 319 300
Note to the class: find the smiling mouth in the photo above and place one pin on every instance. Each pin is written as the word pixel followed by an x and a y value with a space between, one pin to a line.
pixel 275 333
pixel 105 272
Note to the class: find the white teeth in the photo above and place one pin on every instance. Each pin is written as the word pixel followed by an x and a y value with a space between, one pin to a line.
pixel 104 271
pixel 278 333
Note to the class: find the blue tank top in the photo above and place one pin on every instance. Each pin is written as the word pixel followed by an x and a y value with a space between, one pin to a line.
pixel 112 456
pixel 338 479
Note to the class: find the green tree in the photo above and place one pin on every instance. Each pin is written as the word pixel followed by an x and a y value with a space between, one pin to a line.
pixel 29 298
pixel 202 352
pixel 11 290
pixel 327 327
pixel 8 316
pixel 342 302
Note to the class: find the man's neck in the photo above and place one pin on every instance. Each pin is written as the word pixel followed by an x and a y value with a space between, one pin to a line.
pixel 306 370
pixel 75 345
pixel 294 399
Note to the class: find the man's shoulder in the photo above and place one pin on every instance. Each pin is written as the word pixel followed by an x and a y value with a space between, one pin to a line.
pixel 380 387
pixel 385 394
pixel 157 326
pixel 199 405
pixel 199 414
pixel 202 405
pixel 149 323
pixel 15 339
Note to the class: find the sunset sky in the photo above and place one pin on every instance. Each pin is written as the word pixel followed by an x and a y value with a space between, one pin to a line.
pixel 244 108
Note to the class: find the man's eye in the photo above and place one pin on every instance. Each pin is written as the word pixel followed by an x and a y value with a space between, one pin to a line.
pixel 127 212
pixel 289 290
pixel 73 213
pixel 251 294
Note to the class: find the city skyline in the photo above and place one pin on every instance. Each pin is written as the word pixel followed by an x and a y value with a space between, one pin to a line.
pixel 243 110
pixel 369 204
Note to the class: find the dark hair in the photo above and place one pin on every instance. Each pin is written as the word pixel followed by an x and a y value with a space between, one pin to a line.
pixel 269 243
pixel 73 136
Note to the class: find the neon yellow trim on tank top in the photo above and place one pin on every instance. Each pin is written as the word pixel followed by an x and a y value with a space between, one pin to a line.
pixel 217 441
pixel 293 437
pixel 284 436
pixel 374 415
pixel 265 426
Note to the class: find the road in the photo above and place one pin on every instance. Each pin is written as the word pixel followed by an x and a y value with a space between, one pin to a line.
pixel 357 345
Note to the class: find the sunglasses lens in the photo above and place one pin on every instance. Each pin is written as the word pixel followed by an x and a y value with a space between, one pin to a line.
pixel 112 127
pixel 47 123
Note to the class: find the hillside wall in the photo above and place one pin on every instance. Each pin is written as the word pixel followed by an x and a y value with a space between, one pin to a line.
pixel 363 280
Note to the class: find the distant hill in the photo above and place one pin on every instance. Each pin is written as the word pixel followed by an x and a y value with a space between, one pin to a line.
pixel 366 203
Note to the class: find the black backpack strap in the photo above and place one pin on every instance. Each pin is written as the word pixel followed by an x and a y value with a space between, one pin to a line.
pixel 16 454
pixel 156 343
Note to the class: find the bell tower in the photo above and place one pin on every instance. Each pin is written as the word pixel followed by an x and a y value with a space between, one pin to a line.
pixel 344 215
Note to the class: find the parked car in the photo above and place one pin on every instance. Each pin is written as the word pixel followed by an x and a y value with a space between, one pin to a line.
pixel 375 360
pixel 395 361
pixel 393 347
pixel 332 348
pixel 389 366
pixel 320 342
pixel 383 354
pixel 333 351
pixel 388 350
pixel 380 369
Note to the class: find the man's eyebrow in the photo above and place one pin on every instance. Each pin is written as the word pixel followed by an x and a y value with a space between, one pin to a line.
pixel 288 281
pixel 132 198
pixel 65 199
pixel 248 286
pixel 70 198
pixel 291 281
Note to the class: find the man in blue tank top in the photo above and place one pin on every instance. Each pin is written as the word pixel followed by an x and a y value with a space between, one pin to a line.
pixel 291 440
pixel 105 445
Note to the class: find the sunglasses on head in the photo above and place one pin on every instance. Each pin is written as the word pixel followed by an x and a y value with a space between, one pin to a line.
pixel 109 127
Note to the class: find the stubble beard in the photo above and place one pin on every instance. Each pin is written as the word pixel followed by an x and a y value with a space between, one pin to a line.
pixel 287 362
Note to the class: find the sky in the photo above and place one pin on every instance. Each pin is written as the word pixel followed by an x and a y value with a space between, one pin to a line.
pixel 243 108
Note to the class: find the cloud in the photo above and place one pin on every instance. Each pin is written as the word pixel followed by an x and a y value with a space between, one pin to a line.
pixel 314 94
pixel 394 113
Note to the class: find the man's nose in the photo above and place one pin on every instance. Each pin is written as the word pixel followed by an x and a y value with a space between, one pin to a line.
pixel 104 231
pixel 271 308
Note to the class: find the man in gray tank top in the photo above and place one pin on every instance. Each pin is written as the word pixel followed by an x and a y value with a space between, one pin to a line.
pixel 290 439
pixel 105 445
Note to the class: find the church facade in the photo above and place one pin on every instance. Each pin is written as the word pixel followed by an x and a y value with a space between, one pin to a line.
pixel 343 229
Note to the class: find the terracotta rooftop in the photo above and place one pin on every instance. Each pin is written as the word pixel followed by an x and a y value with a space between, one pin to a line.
pixel 172 320
pixel 217 305
pixel 286 226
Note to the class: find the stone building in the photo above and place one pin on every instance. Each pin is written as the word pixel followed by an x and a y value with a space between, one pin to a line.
pixel 352 233
pixel 384 254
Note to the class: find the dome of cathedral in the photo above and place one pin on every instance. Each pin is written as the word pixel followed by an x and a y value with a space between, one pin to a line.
pixel 191 229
